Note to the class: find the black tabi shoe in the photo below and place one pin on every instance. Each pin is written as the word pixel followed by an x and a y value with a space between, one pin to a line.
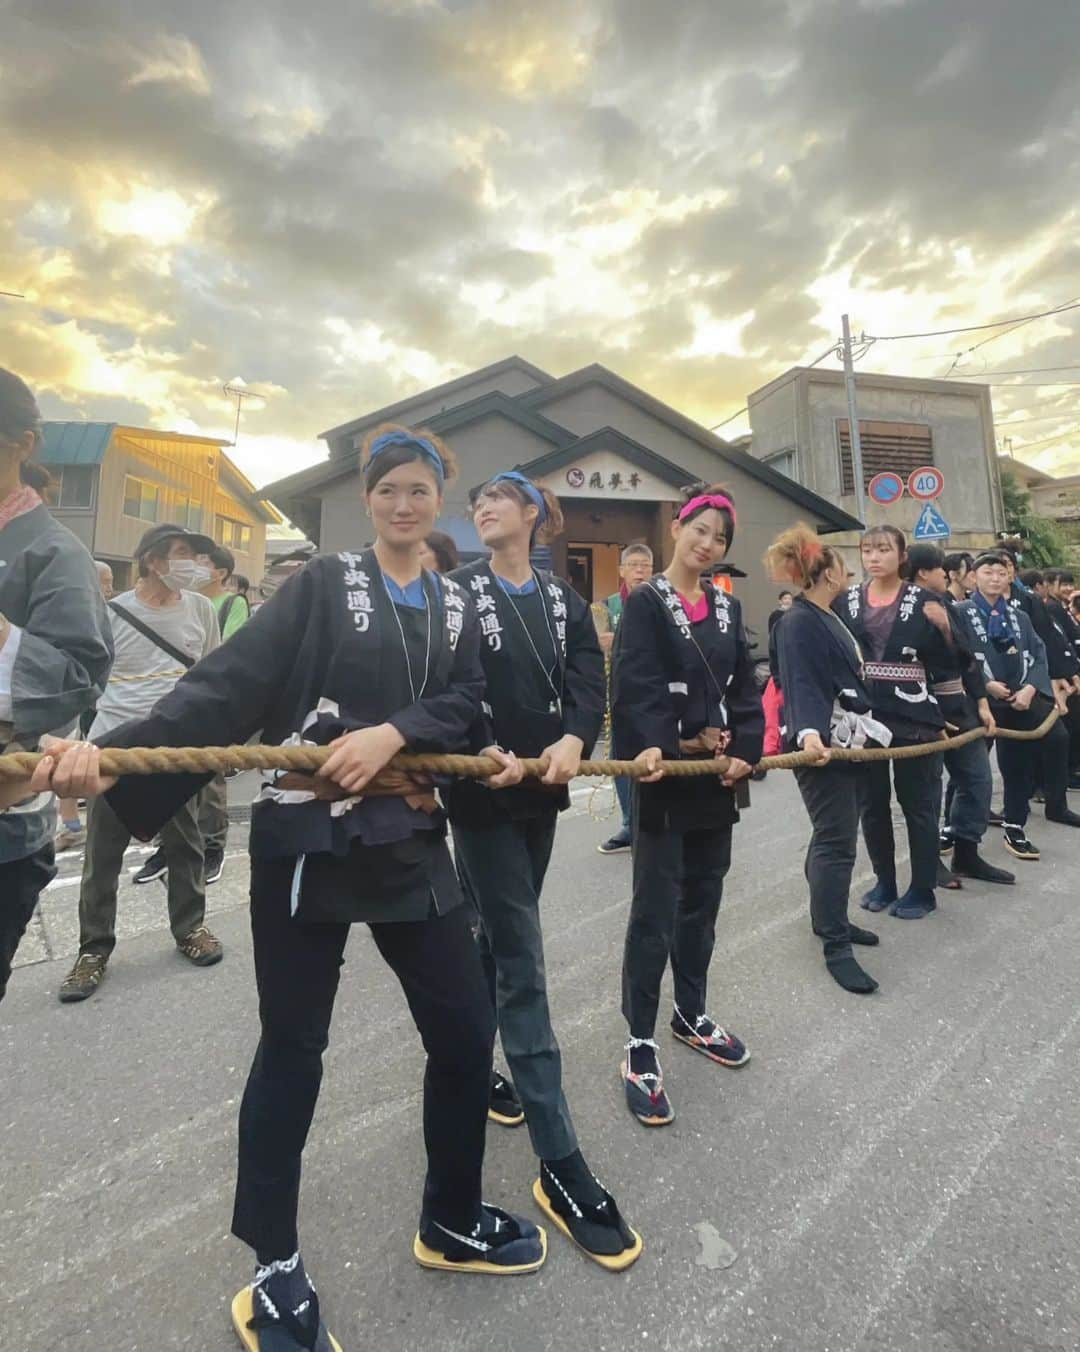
pixel 504 1106
pixel 616 844
pixel 946 878
pixel 577 1204
pixel 1063 816
pixel 857 935
pixel 499 1244
pixel 916 904
pixel 644 1084
pixel 1018 845
pixel 708 1038
pixel 969 863
pixel 945 840
pixel 880 897
pixel 279 1313
pixel 995 818
pixel 1074 781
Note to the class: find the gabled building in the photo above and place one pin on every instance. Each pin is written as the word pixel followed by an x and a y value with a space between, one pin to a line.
pixel 613 454
pixel 111 483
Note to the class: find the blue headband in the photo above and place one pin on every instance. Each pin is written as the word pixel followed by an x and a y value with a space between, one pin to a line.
pixel 528 488
pixel 421 444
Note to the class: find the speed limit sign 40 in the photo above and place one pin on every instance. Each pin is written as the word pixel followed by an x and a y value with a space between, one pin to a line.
pixel 926 483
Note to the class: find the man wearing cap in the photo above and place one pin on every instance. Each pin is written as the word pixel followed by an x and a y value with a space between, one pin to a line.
pixel 160 628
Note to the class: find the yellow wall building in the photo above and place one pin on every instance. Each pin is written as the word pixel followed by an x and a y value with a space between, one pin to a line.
pixel 112 483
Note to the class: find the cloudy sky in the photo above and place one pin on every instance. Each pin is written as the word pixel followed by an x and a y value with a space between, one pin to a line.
pixel 342 202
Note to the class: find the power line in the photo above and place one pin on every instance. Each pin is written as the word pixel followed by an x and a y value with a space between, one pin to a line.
pixel 746 407
pixel 1023 371
pixel 1058 436
pixel 972 328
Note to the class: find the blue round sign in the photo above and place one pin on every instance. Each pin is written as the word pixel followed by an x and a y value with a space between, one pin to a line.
pixel 885 489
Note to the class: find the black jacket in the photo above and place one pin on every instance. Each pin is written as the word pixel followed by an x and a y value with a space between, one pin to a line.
pixel 671 679
pixel 322 657
pixel 569 698
pixel 905 706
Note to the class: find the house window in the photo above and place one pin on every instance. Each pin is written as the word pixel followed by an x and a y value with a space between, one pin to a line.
pixel 233 534
pixel 784 463
pixel 141 500
pixel 189 513
pixel 899 447
pixel 72 486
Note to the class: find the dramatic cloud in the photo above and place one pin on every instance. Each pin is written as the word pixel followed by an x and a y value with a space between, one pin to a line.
pixel 341 203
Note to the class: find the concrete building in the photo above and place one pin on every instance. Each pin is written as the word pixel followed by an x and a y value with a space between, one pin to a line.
pixel 613 454
pixel 1056 499
pixel 799 427
pixel 111 483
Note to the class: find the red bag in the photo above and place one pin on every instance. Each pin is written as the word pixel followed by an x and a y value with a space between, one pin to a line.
pixel 772 701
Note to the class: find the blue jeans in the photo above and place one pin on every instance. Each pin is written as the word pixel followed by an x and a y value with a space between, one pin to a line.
pixel 970 786
pixel 622 792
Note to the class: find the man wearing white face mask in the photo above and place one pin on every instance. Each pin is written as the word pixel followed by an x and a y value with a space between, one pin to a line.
pixel 161 628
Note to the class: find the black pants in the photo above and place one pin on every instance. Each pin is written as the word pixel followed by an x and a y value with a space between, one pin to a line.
pixel 1072 726
pixel 678 883
pixel 1019 762
pixel 917 790
pixel 296 970
pixel 832 796
pixel 21 883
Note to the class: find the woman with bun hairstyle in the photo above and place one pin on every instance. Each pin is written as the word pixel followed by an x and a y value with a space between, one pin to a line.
pixel 545 698
pixel 903 633
pixel 367 653
pixel 826 705
pixel 55 651
pixel 682 686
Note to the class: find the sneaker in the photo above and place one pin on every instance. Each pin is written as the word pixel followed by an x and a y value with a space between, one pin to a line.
pixel 83 979
pixel 709 1038
pixel 581 1207
pixel 946 840
pixel 67 839
pixel 643 1081
pixel 498 1243
pixel 504 1106
pixel 1017 843
pixel 619 842
pixel 213 864
pixel 201 947
pixel 155 867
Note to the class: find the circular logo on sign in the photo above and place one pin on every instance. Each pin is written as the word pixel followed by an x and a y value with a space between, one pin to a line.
pixel 926 483
pixel 886 488
pixel 575 477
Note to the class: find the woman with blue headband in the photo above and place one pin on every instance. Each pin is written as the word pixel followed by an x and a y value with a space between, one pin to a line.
pixel 545 698
pixel 367 653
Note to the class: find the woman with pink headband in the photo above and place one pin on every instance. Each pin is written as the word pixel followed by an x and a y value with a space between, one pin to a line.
pixel 682 686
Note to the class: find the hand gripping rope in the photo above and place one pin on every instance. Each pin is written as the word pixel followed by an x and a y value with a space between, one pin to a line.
pixel 216 759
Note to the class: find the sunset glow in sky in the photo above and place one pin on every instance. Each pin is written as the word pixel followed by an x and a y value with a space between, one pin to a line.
pixel 344 203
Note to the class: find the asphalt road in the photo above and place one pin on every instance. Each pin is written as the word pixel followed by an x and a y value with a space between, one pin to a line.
pixel 896 1173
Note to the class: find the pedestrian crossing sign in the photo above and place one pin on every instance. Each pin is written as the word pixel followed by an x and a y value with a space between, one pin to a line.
pixel 931 525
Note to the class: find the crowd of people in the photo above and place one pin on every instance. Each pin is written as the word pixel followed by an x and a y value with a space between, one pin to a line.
pixel 396 646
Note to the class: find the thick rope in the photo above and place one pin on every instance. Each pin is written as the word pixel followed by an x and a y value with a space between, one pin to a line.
pixel 217 759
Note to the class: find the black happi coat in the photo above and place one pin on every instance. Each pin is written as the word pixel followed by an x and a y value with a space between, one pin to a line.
pixel 670 679
pixel 323 657
pixel 820 671
pixel 1060 657
pixel 510 667
pixel 907 707
pixel 1022 659
pixel 1063 618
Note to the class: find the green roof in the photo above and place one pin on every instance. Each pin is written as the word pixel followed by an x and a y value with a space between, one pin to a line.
pixel 75 443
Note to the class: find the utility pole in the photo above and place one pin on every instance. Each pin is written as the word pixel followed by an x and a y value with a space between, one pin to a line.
pixel 854 439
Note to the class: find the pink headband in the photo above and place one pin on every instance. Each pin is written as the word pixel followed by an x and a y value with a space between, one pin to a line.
pixel 717 500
